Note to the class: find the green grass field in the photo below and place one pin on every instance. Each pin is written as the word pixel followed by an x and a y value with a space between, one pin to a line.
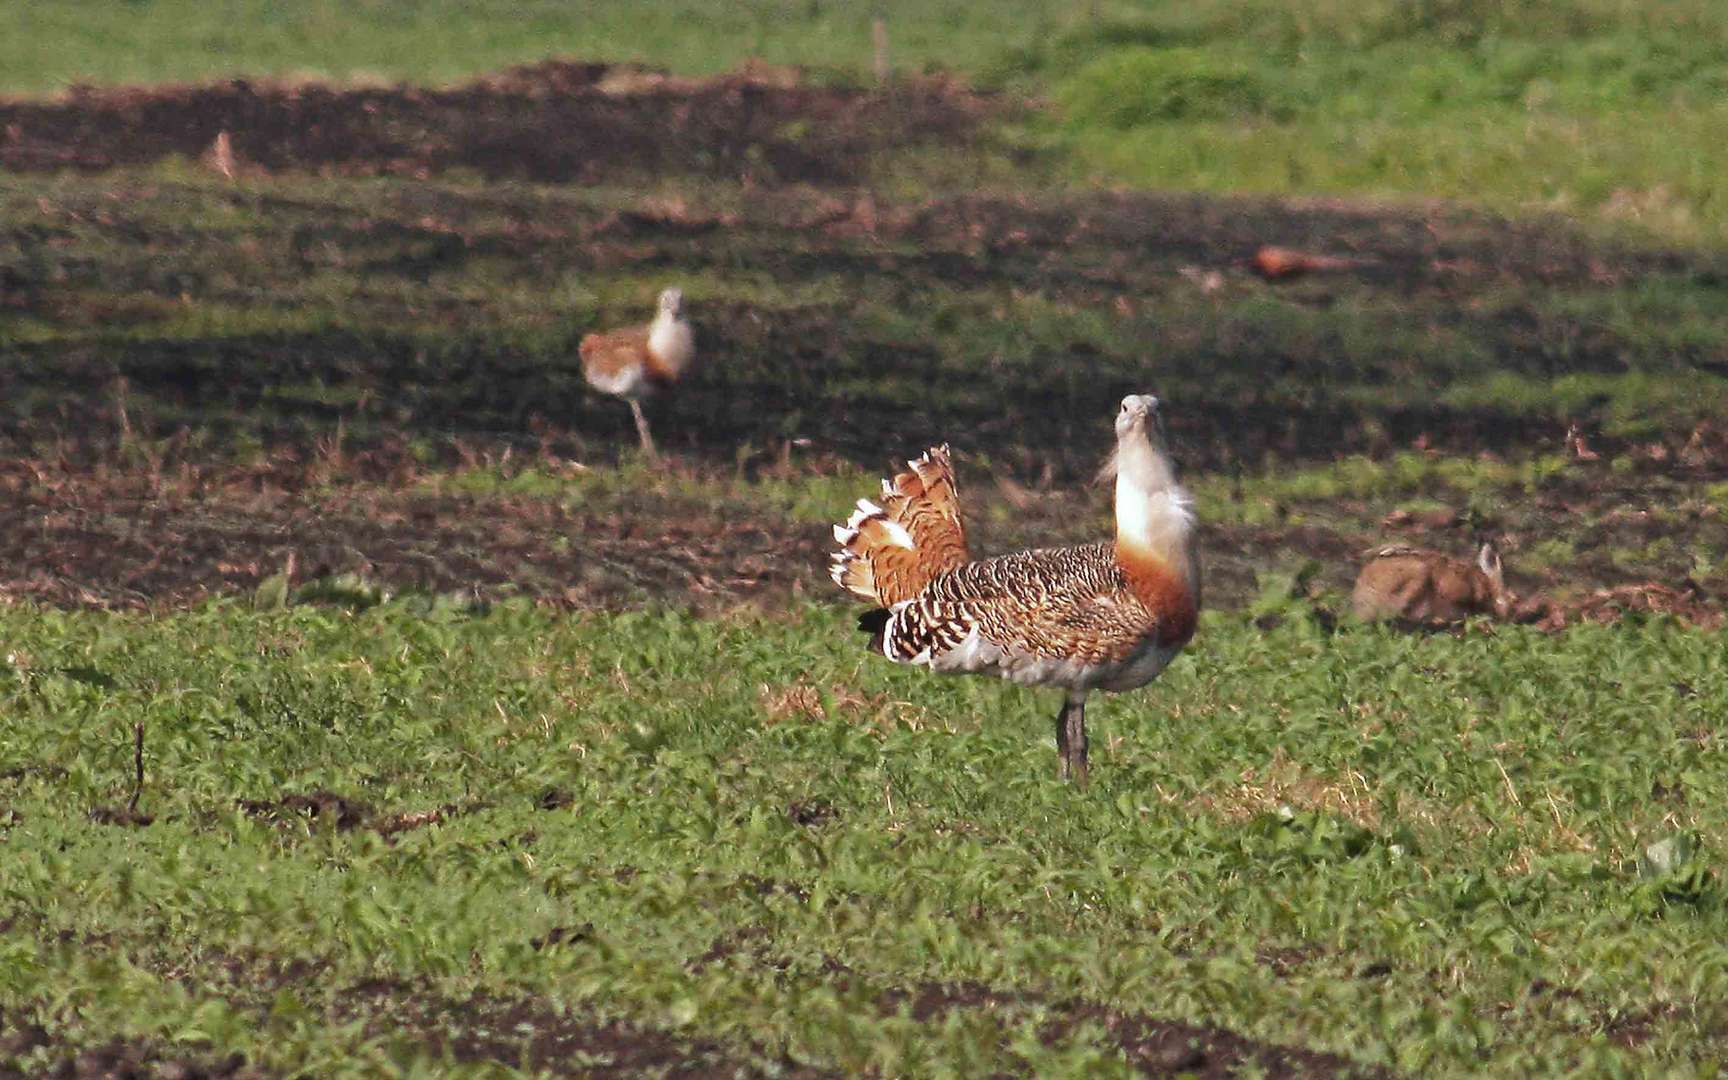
pixel 474 745
pixel 1603 108
pixel 1492 853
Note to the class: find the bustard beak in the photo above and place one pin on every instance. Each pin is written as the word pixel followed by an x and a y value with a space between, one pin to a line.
pixel 1139 409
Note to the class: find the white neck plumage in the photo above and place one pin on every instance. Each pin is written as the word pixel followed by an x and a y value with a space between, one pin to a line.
pixel 1154 515
pixel 670 340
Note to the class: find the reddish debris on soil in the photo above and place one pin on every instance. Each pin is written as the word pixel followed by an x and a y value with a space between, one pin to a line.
pixel 1689 603
pixel 342 813
pixel 408 820
pixel 556 121
pixel 1279 263
pixel 1443 517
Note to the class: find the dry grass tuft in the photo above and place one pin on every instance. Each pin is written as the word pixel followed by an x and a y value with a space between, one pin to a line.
pixel 1283 782
pixel 799 701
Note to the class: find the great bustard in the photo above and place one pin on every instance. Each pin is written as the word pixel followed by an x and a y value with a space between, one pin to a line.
pixel 634 363
pixel 1101 617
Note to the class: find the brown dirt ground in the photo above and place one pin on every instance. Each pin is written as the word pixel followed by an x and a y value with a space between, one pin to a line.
pixel 125 540
pixel 760 122
pixel 128 537
pixel 524 1032
pixel 517 1032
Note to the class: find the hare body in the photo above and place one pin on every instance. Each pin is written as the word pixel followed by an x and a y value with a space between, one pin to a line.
pixel 1428 587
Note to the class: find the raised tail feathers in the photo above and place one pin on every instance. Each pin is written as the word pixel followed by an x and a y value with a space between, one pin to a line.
pixel 889 552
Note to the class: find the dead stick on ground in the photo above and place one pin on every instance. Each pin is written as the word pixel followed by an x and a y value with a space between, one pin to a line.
pixel 120 393
pixel 879 38
pixel 137 766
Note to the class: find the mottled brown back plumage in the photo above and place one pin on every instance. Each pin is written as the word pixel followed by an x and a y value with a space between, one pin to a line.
pixel 615 354
pixel 1075 604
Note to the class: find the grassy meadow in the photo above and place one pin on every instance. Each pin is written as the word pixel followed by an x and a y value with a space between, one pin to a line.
pixel 1412 852
pixel 1607 109
pixel 473 744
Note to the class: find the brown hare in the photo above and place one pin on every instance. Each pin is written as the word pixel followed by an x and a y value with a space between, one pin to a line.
pixel 1428 587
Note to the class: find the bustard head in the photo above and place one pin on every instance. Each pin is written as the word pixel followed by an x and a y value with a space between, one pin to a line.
pixel 671 301
pixel 1141 412
pixel 1142 416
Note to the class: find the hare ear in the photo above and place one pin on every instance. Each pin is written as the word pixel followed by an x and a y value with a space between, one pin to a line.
pixel 1489 560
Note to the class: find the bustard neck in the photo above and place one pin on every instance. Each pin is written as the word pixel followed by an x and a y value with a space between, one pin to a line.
pixel 1154 515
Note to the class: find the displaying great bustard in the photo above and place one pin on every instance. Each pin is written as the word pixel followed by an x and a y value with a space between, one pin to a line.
pixel 634 363
pixel 1101 617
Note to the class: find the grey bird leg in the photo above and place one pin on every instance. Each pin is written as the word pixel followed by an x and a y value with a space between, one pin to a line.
pixel 1071 738
pixel 1076 710
pixel 1062 741
pixel 642 430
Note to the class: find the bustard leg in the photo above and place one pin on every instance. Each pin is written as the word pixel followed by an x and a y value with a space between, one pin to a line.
pixel 1071 738
pixel 642 430
pixel 1062 741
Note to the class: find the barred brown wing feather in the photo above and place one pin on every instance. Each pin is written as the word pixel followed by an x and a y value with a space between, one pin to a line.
pixel 889 552
pixel 925 500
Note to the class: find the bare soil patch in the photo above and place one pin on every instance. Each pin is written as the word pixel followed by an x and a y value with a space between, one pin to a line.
pixel 1151 1046
pixel 22 1038
pixel 122 537
pixel 525 1032
pixel 555 121
pixel 141 505
pixel 761 369
pixel 109 543
pixel 326 809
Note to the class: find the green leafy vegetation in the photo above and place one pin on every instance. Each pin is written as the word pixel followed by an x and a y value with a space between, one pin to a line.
pixel 1600 109
pixel 1412 851
pixel 46 47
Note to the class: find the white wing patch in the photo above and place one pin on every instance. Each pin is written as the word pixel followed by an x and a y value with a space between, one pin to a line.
pixel 844 534
pixel 898 534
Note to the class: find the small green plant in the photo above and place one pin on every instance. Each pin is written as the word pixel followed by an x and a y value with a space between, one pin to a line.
pixel 1131 87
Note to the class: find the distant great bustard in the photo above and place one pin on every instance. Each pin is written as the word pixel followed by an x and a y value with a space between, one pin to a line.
pixel 634 363
pixel 1103 616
